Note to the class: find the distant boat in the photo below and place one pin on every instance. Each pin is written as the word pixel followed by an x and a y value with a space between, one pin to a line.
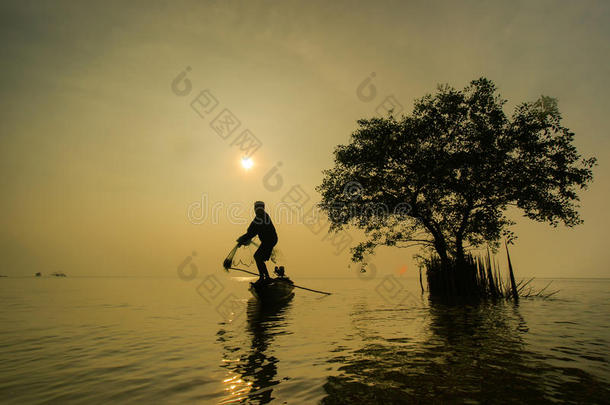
pixel 57 274
pixel 38 274
pixel 2 275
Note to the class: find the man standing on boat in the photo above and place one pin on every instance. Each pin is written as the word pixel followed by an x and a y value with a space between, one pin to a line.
pixel 262 227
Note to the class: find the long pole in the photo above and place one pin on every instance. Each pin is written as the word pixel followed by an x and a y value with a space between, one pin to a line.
pixel 297 286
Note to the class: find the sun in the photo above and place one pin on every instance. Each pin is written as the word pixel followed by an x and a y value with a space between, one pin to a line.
pixel 247 163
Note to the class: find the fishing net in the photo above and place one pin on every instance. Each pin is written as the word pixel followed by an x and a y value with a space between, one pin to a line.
pixel 243 256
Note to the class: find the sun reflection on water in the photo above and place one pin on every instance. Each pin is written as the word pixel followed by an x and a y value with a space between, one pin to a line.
pixel 253 375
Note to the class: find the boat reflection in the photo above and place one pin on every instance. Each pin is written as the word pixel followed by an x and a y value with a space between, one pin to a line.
pixel 249 353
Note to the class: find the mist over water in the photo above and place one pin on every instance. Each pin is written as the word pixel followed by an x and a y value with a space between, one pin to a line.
pixel 94 340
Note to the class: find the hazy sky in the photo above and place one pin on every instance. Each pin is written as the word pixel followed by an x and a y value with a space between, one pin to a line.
pixel 101 160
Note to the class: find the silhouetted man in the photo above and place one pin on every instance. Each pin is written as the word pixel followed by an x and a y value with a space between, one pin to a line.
pixel 262 227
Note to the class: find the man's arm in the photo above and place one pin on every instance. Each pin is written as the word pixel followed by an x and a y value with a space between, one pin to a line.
pixel 250 233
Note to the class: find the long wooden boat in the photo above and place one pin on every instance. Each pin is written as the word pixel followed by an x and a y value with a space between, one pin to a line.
pixel 279 289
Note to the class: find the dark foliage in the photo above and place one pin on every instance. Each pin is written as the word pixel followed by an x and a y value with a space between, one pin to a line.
pixel 445 175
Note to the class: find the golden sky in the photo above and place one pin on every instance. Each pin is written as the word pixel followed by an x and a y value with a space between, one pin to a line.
pixel 101 159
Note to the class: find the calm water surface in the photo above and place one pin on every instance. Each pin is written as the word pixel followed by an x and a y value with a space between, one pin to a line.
pixel 137 340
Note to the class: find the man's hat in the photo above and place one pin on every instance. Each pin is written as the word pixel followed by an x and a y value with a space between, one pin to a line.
pixel 259 204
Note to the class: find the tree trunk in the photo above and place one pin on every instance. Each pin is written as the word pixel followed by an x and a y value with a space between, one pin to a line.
pixel 447 272
pixel 459 237
pixel 439 243
pixel 460 258
pixel 441 249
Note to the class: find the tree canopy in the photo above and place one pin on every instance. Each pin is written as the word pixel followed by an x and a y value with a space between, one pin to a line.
pixel 445 175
